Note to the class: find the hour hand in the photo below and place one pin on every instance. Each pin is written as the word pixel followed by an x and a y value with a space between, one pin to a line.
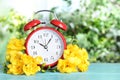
pixel 45 46
pixel 41 44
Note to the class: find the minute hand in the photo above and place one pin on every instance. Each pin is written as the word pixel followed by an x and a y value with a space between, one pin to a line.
pixel 48 41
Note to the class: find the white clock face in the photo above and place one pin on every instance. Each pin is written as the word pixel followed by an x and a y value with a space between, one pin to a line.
pixel 47 44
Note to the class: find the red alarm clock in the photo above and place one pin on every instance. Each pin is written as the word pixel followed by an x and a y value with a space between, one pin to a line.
pixel 45 41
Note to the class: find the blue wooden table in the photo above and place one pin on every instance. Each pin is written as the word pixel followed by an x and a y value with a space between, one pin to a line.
pixel 97 71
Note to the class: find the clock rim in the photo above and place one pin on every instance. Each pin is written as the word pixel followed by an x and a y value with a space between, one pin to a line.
pixel 42 28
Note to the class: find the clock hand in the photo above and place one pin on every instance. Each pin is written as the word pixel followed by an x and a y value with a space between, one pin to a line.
pixel 49 41
pixel 42 45
pixel 45 46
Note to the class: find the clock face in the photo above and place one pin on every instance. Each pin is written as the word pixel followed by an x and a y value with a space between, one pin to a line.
pixel 47 43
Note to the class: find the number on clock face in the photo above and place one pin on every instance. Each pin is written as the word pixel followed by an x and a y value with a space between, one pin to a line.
pixel 45 43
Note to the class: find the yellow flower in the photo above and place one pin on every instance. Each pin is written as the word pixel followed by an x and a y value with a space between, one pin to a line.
pixel 65 66
pixel 83 67
pixel 38 59
pixel 15 58
pixel 31 68
pixel 22 63
pixel 16 44
pixel 15 69
pixel 72 48
pixel 84 53
pixel 27 59
pixel 85 62
pixel 11 52
pixel 66 53
pixel 16 64
pixel 74 58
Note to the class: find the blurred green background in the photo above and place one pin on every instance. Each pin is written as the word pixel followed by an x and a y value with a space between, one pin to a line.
pixel 92 24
